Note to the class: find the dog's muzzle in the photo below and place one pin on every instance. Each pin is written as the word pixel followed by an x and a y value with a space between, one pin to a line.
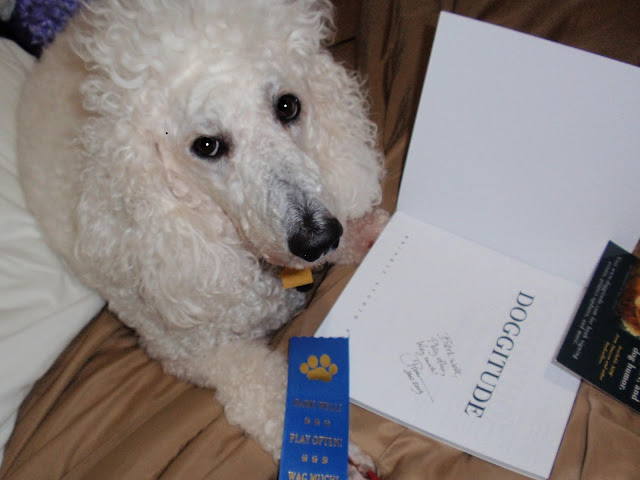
pixel 315 237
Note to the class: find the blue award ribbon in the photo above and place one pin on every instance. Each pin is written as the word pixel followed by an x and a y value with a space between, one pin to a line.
pixel 316 425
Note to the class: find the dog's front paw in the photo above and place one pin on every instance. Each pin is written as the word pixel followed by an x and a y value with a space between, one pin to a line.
pixel 361 465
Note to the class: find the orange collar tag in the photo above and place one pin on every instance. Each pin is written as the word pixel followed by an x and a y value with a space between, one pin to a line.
pixel 292 278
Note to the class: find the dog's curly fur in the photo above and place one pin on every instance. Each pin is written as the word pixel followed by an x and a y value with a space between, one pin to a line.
pixel 183 242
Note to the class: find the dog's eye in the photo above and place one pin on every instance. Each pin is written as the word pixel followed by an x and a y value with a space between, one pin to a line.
pixel 209 148
pixel 288 108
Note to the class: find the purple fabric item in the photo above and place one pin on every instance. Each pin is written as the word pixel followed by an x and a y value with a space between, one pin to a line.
pixel 43 19
pixel 35 23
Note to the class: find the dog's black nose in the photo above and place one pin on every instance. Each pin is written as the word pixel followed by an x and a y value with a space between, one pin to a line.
pixel 315 238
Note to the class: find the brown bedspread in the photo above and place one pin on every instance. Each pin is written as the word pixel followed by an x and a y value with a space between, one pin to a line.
pixel 106 411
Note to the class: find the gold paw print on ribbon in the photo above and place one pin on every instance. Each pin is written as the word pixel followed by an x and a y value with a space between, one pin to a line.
pixel 322 370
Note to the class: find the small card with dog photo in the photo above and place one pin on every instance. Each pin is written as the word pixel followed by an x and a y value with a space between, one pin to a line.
pixel 603 342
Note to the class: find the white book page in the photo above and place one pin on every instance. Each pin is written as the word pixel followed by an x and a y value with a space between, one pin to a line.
pixel 424 312
pixel 527 147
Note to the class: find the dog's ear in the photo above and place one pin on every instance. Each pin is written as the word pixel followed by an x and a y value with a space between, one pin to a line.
pixel 344 136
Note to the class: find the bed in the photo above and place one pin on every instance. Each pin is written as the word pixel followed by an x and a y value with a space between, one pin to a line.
pixel 80 399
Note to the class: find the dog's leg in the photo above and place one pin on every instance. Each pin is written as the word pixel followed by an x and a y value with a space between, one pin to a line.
pixel 250 381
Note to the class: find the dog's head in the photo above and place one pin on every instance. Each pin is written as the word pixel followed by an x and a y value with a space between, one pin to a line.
pixel 235 110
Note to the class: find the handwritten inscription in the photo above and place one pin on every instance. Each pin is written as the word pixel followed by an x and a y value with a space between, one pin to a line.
pixel 433 357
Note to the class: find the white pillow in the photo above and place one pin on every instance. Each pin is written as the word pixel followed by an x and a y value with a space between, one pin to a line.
pixel 42 307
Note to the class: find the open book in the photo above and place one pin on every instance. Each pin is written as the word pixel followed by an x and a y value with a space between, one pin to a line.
pixel 523 164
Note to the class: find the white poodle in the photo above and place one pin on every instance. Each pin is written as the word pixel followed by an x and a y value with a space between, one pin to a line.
pixel 178 153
